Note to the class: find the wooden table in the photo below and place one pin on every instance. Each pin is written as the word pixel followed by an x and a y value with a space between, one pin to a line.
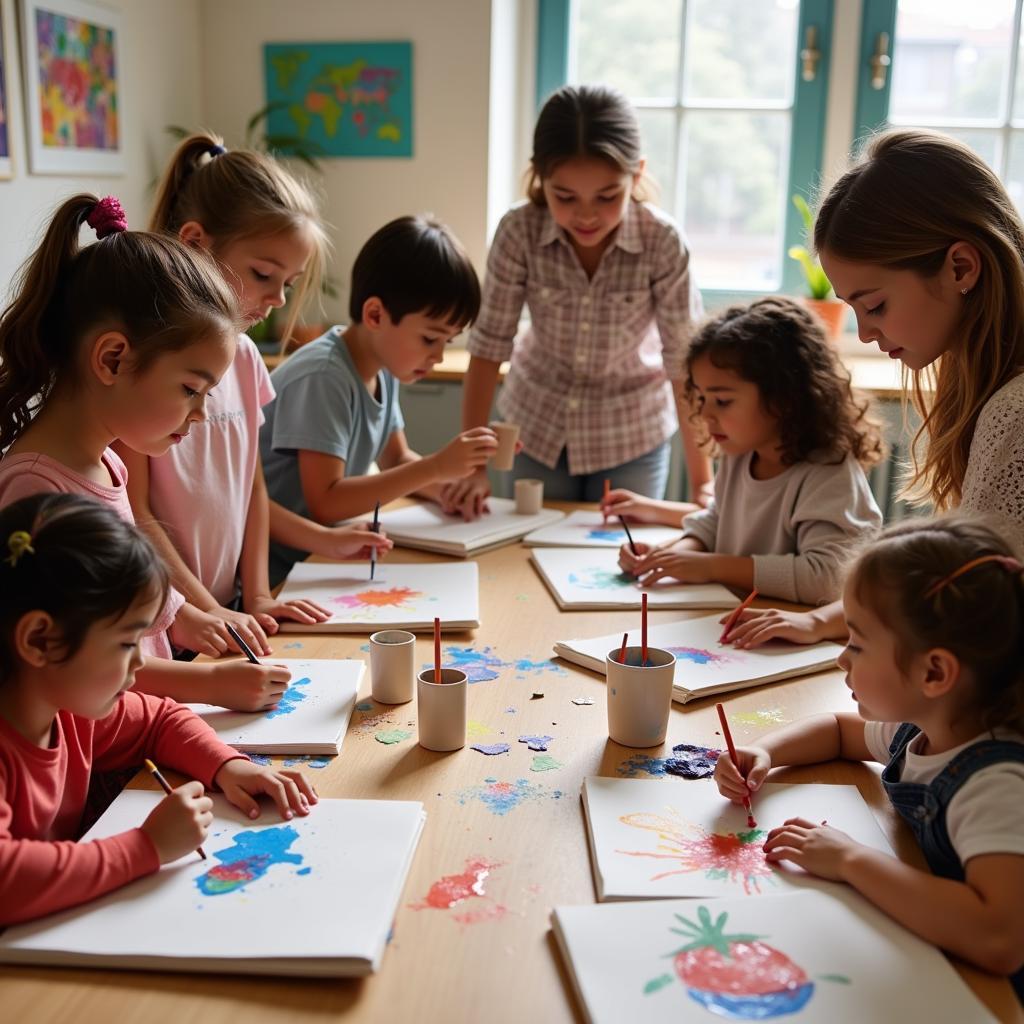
pixel 505 967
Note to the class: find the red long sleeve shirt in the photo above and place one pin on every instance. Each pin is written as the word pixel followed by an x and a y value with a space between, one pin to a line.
pixel 43 793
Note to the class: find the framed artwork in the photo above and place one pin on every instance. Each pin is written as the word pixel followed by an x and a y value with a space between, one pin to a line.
pixel 340 99
pixel 6 162
pixel 72 87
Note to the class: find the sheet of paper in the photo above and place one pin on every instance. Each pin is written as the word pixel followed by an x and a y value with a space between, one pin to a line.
pixel 582 529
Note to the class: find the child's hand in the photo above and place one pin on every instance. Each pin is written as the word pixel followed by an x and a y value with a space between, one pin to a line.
pixel 465 453
pixel 241 780
pixel 628 561
pixel 242 686
pixel 686 566
pixel 468 497
pixel 353 540
pixel 757 626
pixel 180 821
pixel 196 630
pixel 819 849
pixel 252 628
pixel 737 782
pixel 639 509
pixel 268 609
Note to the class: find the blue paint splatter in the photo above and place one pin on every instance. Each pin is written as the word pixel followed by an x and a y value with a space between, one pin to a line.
pixel 291 698
pixel 296 646
pixel 536 742
pixel 502 797
pixel 642 764
pixel 480 666
pixel 249 859
pixel 365 705
pixel 490 748
pixel 304 871
pixel 263 759
pixel 524 666
pixel 618 536
pixel 595 578
pixel 702 656
pixel 308 761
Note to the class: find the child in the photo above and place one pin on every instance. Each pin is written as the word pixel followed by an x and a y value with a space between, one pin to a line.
pixel 596 383
pixel 935 662
pixel 262 227
pixel 337 412
pixel 790 492
pixel 78 588
pixel 923 242
pixel 120 339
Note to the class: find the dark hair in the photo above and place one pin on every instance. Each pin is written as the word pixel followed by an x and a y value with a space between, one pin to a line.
pixel 415 265
pixel 236 194
pixel 163 296
pixel 584 121
pixel 979 616
pixel 910 197
pixel 87 564
pixel 781 347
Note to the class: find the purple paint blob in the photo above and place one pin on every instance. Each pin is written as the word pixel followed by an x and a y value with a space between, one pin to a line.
pixel 692 762
pixel 490 748
pixel 536 742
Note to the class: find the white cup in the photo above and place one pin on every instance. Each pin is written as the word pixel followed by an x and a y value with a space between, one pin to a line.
pixel 529 497
pixel 639 697
pixel 393 666
pixel 508 434
pixel 441 709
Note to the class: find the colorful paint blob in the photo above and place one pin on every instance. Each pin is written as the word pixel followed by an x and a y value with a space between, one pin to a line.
pixel 365 705
pixel 701 656
pixel 766 716
pixel 254 852
pixel 733 856
pixel 502 797
pixel 291 698
pixel 536 742
pixel 450 890
pixel 490 748
pixel 395 597
pixel 308 761
pixel 544 763
pixel 261 759
pixel 595 578
pixel 642 764
pixel 692 762
pixel 484 664
pixel 390 736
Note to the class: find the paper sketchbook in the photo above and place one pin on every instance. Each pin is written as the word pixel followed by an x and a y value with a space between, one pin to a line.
pixel 581 529
pixel 401 596
pixel 313 896
pixel 582 580
pixel 425 526
pixel 652 839
pixel 310 719
pixel 811 957
pixel 703 665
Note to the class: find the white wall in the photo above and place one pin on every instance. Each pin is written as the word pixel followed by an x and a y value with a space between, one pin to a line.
pixel 160 85
pixel 447 174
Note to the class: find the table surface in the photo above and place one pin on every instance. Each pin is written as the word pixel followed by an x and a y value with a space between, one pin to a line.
pixel 505 965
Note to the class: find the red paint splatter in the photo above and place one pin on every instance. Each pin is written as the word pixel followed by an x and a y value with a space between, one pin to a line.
pixel 489 912
pixel 736 856
pixel 393 598
pixel 452 889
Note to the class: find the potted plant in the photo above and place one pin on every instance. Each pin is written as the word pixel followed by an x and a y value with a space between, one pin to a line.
pixel 822 299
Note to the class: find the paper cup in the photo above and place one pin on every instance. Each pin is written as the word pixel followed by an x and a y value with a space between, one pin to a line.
pixel 639 698
pixel 393 666
pixel 529 497
pixel 441 709
pixel 508 434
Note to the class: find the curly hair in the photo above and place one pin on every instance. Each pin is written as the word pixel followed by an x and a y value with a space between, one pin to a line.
pixel 781 347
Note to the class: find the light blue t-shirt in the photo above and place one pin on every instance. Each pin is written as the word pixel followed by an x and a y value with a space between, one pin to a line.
pixel 322 405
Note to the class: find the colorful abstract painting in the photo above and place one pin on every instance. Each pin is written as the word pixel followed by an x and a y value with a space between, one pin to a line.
pixel 345 99
pixel 72 86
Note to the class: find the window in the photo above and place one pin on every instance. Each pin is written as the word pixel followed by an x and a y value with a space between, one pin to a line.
pixel 731 127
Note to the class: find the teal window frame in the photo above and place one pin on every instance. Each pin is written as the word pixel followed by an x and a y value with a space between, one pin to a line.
pixel 810 100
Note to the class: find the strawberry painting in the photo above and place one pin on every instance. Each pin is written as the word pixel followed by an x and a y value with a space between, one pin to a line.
pixel 735 976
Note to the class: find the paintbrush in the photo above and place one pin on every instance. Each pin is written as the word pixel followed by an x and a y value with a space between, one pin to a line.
pixel 165 786
pixel 732 753
pixel 375 526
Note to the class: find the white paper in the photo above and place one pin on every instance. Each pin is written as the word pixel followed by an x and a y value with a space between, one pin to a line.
pixel 323 904
pixel 581 529
pixel 310 719
pixel 426 527
pixel 593 580
pixel 703 665
pixel 401 596
pixel 652 839
pixel 817 958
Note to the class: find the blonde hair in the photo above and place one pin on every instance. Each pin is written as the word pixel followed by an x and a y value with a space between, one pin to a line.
pixel 912 195
pixel 237 194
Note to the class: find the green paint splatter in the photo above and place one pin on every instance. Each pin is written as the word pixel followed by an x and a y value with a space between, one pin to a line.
pixel 766 716
pixel 544 763
pixel 391 735
pixel 657 984
pixel 842 979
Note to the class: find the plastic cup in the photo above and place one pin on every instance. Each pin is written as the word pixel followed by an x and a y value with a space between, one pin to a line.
pixel 441 709
pixel 639 697
pixel 393 666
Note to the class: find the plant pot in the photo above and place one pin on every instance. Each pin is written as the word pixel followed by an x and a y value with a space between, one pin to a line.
pixel 832 314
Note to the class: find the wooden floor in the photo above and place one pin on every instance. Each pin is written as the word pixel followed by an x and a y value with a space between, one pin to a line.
pixel 501 964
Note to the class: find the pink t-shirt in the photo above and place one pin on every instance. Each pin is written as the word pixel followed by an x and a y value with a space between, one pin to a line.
pixel 200 490
pixel 21 476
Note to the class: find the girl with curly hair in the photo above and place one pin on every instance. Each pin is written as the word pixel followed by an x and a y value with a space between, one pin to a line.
pixel 790 492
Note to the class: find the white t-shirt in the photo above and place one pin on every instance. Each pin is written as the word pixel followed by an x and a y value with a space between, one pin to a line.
pixel 984 815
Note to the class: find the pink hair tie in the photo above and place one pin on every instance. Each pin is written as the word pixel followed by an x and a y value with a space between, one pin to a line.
pixel 107 217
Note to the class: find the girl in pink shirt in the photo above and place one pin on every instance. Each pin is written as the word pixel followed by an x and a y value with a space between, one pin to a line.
pixel 263 229
pixel 79 586
pixel 120 339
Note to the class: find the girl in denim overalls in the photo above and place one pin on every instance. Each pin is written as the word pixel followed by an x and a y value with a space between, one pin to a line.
pixel 935 661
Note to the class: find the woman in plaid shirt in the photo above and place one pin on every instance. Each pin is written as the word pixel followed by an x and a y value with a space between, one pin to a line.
pixel 597 382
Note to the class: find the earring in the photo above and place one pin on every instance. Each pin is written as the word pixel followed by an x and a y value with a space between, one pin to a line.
pixel 964 291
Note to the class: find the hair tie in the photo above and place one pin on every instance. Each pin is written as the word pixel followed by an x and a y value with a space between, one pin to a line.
pixel 1011 565
pixel 215 149
pixel 107 217
pixel 19 543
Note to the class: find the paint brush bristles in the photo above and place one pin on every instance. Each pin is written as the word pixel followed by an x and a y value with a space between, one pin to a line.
pixel 730 622
pixel 165 786
pixel 375 526
pixel 629 537
pixel 622 652
pixel 437 650
pixel 643 630
pixel 727 733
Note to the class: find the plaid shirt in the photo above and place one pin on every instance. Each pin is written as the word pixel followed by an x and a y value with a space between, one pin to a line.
pixel 591 373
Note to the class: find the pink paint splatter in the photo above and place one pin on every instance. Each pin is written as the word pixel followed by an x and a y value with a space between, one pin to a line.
pixel 702 656
pixel 396 597
pixel 452 889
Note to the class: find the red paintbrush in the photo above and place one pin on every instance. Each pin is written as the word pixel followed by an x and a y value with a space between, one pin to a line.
pixel 622 653
pixel 437 650
pixel 732 753
pixel 643 630
pixel 734 618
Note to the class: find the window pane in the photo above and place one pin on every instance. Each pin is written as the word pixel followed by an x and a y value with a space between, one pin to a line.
pixel 951 60
pixel 987 144
pixel 736 174
pixel 1015 169
pixel 741 51
pixel 658 130
pixel 632 44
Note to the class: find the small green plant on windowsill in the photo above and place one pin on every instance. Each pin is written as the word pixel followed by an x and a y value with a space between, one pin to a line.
pixel 821 299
